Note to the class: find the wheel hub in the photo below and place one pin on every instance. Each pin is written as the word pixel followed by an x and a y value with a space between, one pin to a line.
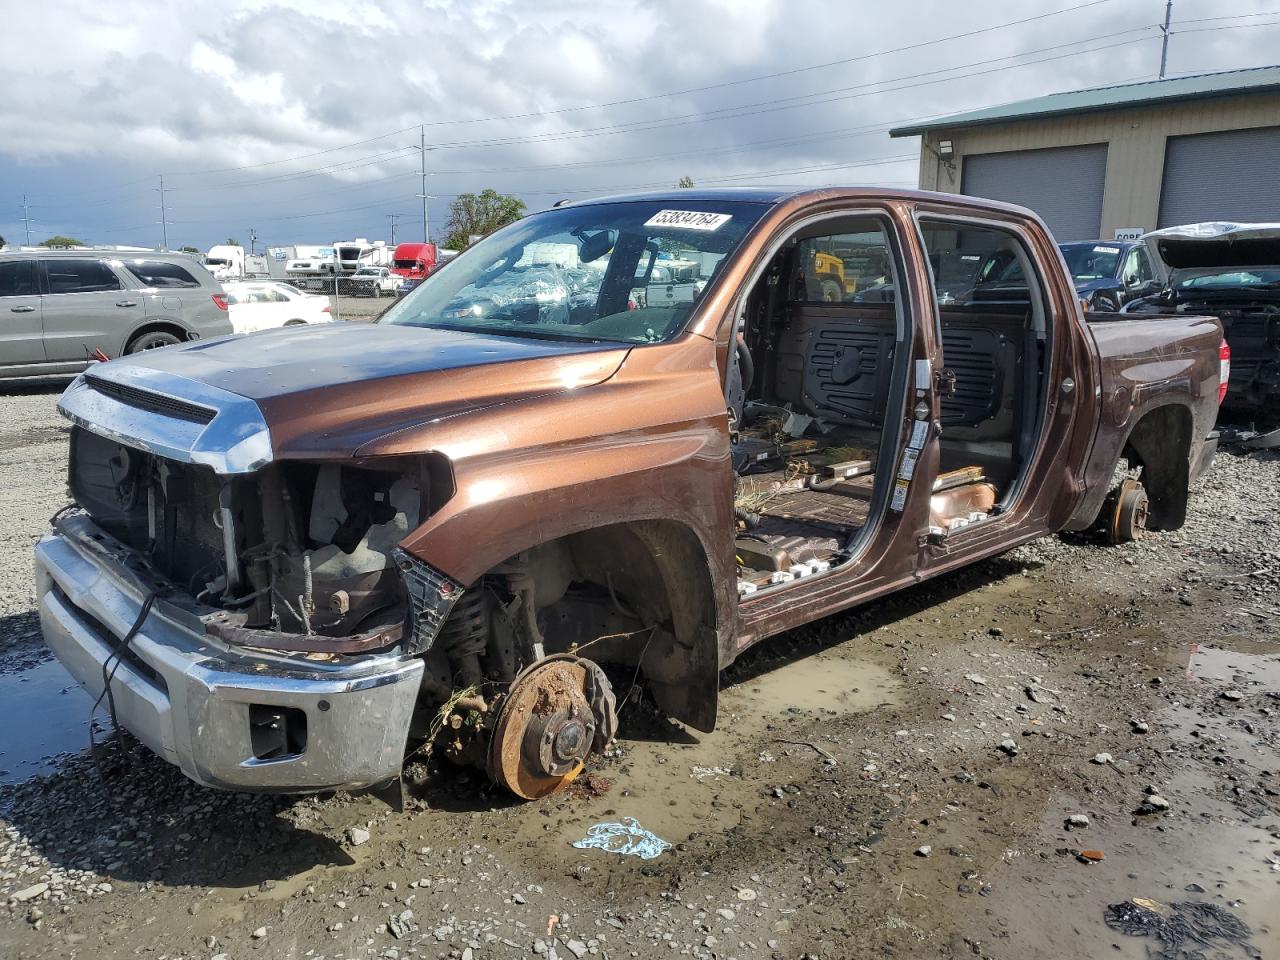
pixel 555 713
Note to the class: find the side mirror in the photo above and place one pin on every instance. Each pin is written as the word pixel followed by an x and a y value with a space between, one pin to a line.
pixel 1131 280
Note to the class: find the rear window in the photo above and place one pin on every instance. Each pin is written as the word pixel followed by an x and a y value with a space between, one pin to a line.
pixel 18 279
pixel 255 295
pixel 80 276
pixel 158 273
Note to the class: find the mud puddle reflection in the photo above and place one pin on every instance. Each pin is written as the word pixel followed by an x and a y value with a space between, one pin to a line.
pixel 44 714
pixel 1205 852
pixel 1232 668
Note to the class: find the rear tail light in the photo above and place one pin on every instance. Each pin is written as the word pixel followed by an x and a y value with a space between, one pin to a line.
pixel 325 309
pixel 1224 369
pixel 220 301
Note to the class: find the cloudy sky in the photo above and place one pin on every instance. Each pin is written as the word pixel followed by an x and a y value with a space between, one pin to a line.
pixel 299 118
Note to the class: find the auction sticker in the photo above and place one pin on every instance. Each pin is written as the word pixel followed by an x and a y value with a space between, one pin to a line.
pixel 688 220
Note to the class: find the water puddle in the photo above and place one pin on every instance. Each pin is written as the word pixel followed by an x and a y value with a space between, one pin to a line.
pixel 1204 852
pixel 820 683
pixel 1230 668
pixel 44 714
pixel 692 782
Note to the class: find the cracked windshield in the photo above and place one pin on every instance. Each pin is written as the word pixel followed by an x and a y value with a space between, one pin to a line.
pixel 629 272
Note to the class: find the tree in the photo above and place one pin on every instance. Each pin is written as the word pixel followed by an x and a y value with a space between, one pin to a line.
pixel 1 243
pixel 685 183
pixel 233 242
pixel 60 241
pixel 480 214
pixel 188 250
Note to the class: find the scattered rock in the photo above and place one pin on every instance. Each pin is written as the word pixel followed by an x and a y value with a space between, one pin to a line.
pixel 1091 856
pixel 1140 726
pixel 1077 821
pixel 1154 803
pixel 30 893
pixel 259 933
pixel 977 678
pixel 1009 747
pixel 924 851
pixel 1038 694
pixel 577 948
pixel 746 894
pixel 1232 695
pixel 725 913
pixel 357 836
pixel 1102 758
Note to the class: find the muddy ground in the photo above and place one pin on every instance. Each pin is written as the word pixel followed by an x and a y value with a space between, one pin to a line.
pixel 891 783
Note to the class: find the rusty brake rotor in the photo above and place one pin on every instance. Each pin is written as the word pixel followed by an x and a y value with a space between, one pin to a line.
pixel 556 712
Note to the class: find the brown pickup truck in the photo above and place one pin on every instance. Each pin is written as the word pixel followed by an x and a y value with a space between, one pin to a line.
pixel 295 554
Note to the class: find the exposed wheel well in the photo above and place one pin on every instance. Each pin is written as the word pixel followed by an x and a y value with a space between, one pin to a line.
pixel 1160 443
pixel 158 326
pixel 638 593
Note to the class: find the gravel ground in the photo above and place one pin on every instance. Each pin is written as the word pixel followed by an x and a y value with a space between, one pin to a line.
pixel 975 767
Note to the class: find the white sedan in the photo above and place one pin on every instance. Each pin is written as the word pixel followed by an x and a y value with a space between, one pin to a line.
pixel 262 305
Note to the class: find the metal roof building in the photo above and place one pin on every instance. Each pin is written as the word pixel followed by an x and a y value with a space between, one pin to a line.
pixel 1132 157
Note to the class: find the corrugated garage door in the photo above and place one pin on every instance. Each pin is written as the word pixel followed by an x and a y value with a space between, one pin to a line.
pixel 1062 184
pixel 1221 176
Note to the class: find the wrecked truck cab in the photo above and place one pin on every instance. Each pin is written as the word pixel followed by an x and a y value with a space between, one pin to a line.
pixel 295 554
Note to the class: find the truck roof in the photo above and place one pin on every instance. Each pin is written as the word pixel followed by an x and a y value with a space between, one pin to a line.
pixel 774 195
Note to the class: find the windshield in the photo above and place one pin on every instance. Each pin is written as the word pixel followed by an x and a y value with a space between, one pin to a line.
pixel 406 264
pixel 1091 261
pixel 582 273
pixel 215 262
pixel 1227 277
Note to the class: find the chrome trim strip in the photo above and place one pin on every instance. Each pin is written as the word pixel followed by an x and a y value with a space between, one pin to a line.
pixel 236 440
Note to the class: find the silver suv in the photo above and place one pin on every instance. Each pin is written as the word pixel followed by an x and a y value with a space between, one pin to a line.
pixel 58 307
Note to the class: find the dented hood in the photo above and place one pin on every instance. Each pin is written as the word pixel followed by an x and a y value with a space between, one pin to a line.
pixel 1216 244
pixel 323 391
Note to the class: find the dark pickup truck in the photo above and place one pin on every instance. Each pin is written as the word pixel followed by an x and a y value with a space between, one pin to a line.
pixel 296 553
pixel 1110 273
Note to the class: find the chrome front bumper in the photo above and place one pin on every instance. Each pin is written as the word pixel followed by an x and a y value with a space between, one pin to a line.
pixel 190 698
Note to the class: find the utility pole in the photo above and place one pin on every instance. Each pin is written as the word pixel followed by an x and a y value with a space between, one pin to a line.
pixel 26 218
pixel 422 147
pixel 253 239
pixel 393 217
pixel 164 220
pixel 1164 43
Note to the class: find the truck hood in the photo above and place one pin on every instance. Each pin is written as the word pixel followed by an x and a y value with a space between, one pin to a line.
pixel 1216 244
pixel 1097 283
pixel 237 402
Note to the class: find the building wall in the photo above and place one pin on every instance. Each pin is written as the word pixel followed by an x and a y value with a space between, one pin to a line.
pixel 1135 156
